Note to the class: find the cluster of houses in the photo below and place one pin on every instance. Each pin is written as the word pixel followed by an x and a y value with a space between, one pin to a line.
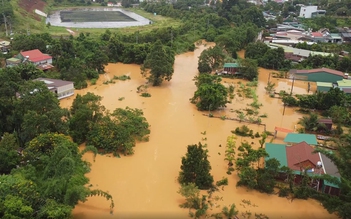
pixel 298 154
pixel 62 89
pixel 325 78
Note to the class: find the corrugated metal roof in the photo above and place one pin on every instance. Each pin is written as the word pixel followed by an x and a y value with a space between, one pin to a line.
pixel 277 151
pixel 299 137
pixel 344 83
pixel 231 65
pixel 317 70
pixel 324 84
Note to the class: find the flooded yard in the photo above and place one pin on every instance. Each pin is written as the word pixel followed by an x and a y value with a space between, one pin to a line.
pixel 145 184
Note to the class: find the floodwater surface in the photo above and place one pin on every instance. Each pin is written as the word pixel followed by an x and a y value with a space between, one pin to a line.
pixel 145 185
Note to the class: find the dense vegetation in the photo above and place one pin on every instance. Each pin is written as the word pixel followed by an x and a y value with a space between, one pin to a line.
pixel 35 123
pixel 42 171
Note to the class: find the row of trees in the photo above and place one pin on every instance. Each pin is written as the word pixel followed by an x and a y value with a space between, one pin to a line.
pixel 267 57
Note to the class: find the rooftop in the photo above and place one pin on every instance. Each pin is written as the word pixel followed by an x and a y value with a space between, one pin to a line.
pixel 299 137
pixel 300 153
pixel 346 90
pixel 53 82
pixel 344 83
pixel 324 84
pixel 316 70
pixel 316 34
pixel 35 55
pixel 231 65
pixel 278 152
pixel 326 121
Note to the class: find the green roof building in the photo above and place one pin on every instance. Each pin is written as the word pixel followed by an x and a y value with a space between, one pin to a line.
pixel 324 86
pixel 295 138
pixel 278 152
pixel 231 68
pixel 318 75
pixel 344 83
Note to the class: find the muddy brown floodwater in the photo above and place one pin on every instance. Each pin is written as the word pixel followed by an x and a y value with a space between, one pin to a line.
pixel 145 184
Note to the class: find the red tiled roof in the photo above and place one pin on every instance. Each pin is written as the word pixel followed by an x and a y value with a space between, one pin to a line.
pixel 311 71
pixel 317 34
pixel 35 55
pixel 301 152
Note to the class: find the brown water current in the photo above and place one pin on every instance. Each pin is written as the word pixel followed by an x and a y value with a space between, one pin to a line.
pixel 145 185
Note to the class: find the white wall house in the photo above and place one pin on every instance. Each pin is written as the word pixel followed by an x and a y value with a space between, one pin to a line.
pixel 36 57
pixel 306 11
pixel 61 88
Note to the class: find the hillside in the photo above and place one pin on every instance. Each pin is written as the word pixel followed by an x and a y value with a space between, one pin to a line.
pixel 24 18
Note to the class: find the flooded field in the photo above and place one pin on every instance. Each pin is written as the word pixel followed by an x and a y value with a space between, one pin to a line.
pixel 96 18
pixel 145 185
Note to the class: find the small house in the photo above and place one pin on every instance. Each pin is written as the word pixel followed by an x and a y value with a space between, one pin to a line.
pixel 324 86
pixel 294 138
pixel 318 75
pixel 61 88
pixel 231 68
pixel 327 122
pixel 4 46
pixel 301 157
pixel 110 4
pixel 36 57
pixel 13 62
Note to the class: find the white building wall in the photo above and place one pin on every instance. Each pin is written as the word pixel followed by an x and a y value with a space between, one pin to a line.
pixel 65 91
pixel 48 61
pixel 306 11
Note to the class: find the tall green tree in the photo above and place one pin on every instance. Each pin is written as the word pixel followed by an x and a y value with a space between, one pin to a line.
pixel 196 168
pixel 160 62
pixel 210 93
pixel 85 111
pixel 210 59
pixel 249 69
pixel 118 131
pixel 9 156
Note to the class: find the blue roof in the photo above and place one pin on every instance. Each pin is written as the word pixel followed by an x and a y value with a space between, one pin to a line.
pixel 298 137
pixel 277 151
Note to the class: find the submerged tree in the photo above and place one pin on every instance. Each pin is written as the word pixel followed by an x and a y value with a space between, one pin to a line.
pixel 196 168
pixel 160 61
pixel 210 93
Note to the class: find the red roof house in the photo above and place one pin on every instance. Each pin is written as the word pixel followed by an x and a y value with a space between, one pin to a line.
pixel 301 156
pixel 36 57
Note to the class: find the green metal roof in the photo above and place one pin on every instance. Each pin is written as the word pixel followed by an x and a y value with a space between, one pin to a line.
pixel 335 36
pixel 324 84
pixel 297 138
pixel 327 183
pixel 277 151
pixel 231 65
pixel 14 60
pixel 344 83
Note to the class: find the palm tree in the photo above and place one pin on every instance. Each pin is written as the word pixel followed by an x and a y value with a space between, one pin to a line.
pixel 310 123
pixel 230 213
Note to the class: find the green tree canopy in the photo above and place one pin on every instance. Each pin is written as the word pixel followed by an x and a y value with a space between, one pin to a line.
pixel 210 93
pixel 196 168
pixel 160 61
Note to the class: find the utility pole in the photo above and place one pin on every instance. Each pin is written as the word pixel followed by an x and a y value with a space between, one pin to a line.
pixel 292 86
pixel 5 21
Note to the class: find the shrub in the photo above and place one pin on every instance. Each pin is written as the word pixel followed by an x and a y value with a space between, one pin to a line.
pixel 222 182
pixel 284 192
pixel 145 94
pixel 93 81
